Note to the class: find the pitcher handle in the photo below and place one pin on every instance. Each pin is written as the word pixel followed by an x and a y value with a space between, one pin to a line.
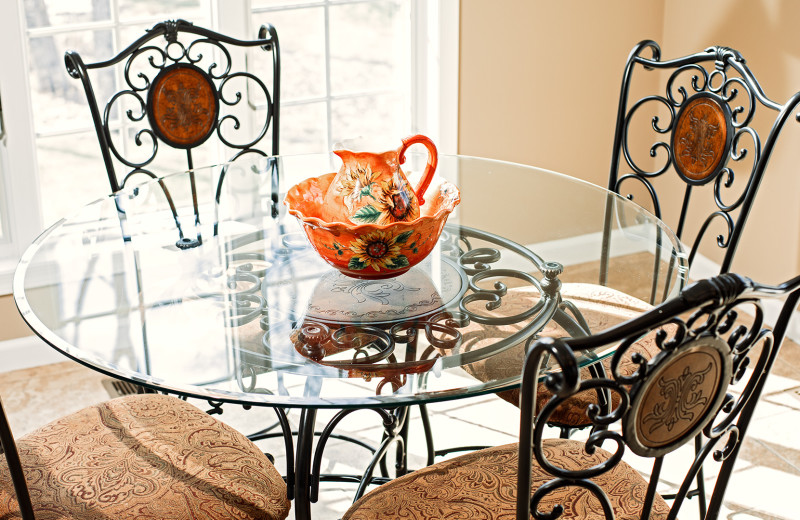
pixel 430 168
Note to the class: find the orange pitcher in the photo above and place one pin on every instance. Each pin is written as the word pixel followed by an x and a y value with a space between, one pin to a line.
pixel 370 188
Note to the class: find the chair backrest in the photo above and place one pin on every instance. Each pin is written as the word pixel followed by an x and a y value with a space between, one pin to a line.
pixel 182 85
pixel 8 448
pixel 682 393
pixel 696 125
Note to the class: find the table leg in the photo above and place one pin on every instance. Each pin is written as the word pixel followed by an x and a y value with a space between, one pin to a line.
pixel 401 453
pixel 305 442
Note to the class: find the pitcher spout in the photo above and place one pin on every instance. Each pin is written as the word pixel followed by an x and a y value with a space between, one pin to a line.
pixel 345 155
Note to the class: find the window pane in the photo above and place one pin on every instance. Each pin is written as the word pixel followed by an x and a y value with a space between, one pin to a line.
pixel 370 47
pixel 3 209
pixel 275 3
pixel 167 159
pixel 130 33
pixel 48 13
pixel 301 33
pixel 369 118
pixel 192 10
pixel 59 102
pixel 303 129
pixel 71 174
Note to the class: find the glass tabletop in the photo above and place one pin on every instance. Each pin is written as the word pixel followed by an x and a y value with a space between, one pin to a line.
pixel 202 284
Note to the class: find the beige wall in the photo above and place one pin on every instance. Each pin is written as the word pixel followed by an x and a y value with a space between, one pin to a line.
pixel 11 323
pixel 764 32
pixel 539 83
pixel 535 83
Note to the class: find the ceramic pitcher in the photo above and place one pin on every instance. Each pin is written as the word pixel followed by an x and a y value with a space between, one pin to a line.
pixel 370 188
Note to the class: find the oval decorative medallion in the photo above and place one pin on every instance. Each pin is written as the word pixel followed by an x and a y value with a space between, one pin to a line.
pixel 679 397
pixel 183 106
pixel 702 138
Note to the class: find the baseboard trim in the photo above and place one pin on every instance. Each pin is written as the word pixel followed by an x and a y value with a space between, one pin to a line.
pixel 27 352
pixel 586 248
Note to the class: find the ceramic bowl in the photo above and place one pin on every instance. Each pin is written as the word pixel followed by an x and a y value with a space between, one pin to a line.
pixel 371 250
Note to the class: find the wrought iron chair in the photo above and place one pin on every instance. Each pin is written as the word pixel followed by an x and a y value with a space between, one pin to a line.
pixel 703 126
pixel 137 457
pixel 183 85
pixel 704 122
pixel 186 89
pixel 704 381
pixel 707 115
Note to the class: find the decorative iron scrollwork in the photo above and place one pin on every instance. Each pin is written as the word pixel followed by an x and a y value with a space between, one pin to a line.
pixel 681 392
pixel 708 117
pixel 148 67
pixel 389 348
pixel 179 91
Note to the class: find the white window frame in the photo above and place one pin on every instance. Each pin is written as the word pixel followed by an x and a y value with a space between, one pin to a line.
pixel 20 179
pixel 435 52
pixel 434 98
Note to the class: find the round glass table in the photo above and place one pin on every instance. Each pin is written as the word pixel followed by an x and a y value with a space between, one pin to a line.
pixel 201 284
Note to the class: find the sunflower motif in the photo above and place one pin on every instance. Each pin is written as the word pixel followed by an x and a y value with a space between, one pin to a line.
pixel 379 249
pixel 356 183
pixel 395 203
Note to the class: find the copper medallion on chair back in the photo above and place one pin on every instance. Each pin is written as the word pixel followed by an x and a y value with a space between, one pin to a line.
pixel 183 106
pixel 679 397
pixel 702 137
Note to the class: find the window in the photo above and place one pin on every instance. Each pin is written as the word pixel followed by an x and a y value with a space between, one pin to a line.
pixel 350 69
pixel 345 69
pixel 3 170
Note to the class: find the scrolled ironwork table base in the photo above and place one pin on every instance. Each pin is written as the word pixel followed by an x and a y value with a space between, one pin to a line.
pixel 387 348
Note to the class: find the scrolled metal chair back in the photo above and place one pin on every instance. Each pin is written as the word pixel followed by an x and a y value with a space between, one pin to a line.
pixel 699 125
pixel 181 87
pixel 682 393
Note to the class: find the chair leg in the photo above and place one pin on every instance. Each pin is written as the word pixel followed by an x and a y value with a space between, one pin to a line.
pixel 701 486
pixel 401 454
pixel 432 453
pixel 700 490
pixel 426 427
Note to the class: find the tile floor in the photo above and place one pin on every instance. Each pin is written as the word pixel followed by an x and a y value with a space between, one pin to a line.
pixel 767 473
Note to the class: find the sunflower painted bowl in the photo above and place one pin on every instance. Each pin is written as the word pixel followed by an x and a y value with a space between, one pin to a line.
pixel 371 250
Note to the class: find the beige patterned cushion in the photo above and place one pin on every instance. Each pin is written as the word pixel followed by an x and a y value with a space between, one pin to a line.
pixel 483 485
pixel 144 457
pixel 602 307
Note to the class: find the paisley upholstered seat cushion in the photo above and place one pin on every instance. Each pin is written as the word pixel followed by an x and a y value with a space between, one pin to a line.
pixel 483 485
pixel 593 294
pixel 601 307
pixel 144 457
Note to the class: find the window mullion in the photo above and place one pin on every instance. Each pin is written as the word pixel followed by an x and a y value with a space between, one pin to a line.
pixel 328 100
pixel 417 67
pixel 305 5
pixel 19 175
